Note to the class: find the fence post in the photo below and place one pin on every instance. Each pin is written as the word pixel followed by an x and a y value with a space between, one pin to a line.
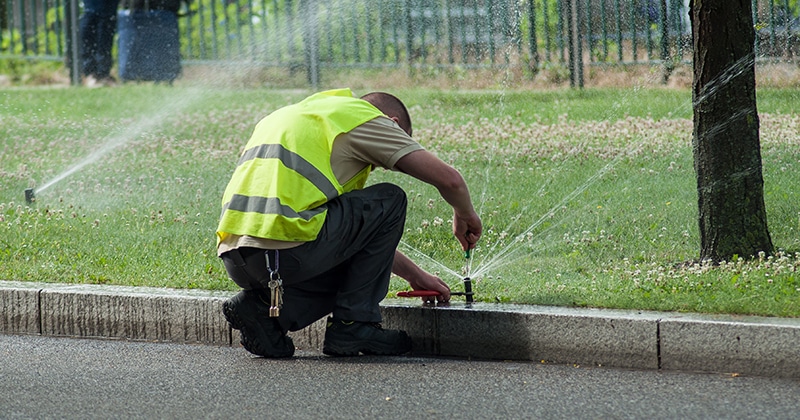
pixel 754 6
pixel 566 13
pixel 665 57
pixel 532 41
pixel 73 40
pixel 575 44
pixel 578 41
pixel 409 35
pixel 311 42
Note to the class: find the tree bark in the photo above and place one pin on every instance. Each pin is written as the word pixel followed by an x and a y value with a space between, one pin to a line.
pixel 726 146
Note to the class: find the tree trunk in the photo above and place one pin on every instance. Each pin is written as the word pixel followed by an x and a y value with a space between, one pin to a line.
pixel 727 151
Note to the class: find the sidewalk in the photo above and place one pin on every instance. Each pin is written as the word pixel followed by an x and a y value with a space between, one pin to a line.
pixel 746 345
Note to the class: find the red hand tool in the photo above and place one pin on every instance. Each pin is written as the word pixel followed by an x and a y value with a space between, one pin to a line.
pixel 425 293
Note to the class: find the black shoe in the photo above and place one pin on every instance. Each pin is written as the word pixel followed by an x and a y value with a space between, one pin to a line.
pixel 261 335
pixel 348 338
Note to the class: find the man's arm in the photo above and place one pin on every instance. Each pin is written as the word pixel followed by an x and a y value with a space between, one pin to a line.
pixel 467 226
pixel 428 168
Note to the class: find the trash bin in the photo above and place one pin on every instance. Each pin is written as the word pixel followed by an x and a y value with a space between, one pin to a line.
pixel 148 46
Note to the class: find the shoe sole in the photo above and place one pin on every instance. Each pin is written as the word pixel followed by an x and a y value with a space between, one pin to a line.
pixel 237 324
pixel 368 348
pixel 231 316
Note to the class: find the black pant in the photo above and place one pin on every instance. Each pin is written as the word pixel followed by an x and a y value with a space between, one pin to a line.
pixel 98 26
pixel 345 271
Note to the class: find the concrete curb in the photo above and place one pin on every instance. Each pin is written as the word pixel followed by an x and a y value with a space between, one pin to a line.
pixel 747 345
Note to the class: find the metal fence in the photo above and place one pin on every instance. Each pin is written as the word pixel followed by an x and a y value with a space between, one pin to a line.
pixel 314 35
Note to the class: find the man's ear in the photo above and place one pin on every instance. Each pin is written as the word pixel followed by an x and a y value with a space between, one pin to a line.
pixel 397 121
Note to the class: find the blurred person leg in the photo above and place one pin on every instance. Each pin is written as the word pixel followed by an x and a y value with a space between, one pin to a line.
pixel 98 26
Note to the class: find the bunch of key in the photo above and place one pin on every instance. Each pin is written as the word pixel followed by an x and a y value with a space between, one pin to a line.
pixel 275 296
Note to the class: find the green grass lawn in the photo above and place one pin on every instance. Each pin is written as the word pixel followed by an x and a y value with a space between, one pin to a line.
pixel 587 197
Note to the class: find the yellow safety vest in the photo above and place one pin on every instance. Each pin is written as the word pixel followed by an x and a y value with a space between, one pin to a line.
pixel 284 175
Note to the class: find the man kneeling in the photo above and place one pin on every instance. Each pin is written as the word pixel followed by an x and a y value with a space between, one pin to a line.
pixel 303 237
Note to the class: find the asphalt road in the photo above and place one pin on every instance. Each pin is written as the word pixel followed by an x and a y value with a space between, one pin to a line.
pixel 49 377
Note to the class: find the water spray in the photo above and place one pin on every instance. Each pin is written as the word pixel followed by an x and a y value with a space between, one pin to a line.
pixel 142 125
pixel 30 196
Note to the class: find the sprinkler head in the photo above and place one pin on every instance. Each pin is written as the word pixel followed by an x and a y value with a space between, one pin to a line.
pixel 468 290
pixel 30 197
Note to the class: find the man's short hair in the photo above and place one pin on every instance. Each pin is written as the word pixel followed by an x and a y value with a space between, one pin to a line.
pixel 392 107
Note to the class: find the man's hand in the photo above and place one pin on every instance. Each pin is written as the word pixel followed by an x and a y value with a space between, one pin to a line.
pixel 428 281
pixel 467 229
pixel 420 279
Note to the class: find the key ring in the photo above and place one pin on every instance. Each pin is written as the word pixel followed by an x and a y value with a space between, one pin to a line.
pixel 275 287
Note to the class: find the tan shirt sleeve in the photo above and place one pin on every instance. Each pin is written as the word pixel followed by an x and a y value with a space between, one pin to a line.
pixel 379 142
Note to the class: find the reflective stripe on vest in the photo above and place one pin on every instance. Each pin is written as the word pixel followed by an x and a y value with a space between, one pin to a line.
pixel 292 161
pixel 268 205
